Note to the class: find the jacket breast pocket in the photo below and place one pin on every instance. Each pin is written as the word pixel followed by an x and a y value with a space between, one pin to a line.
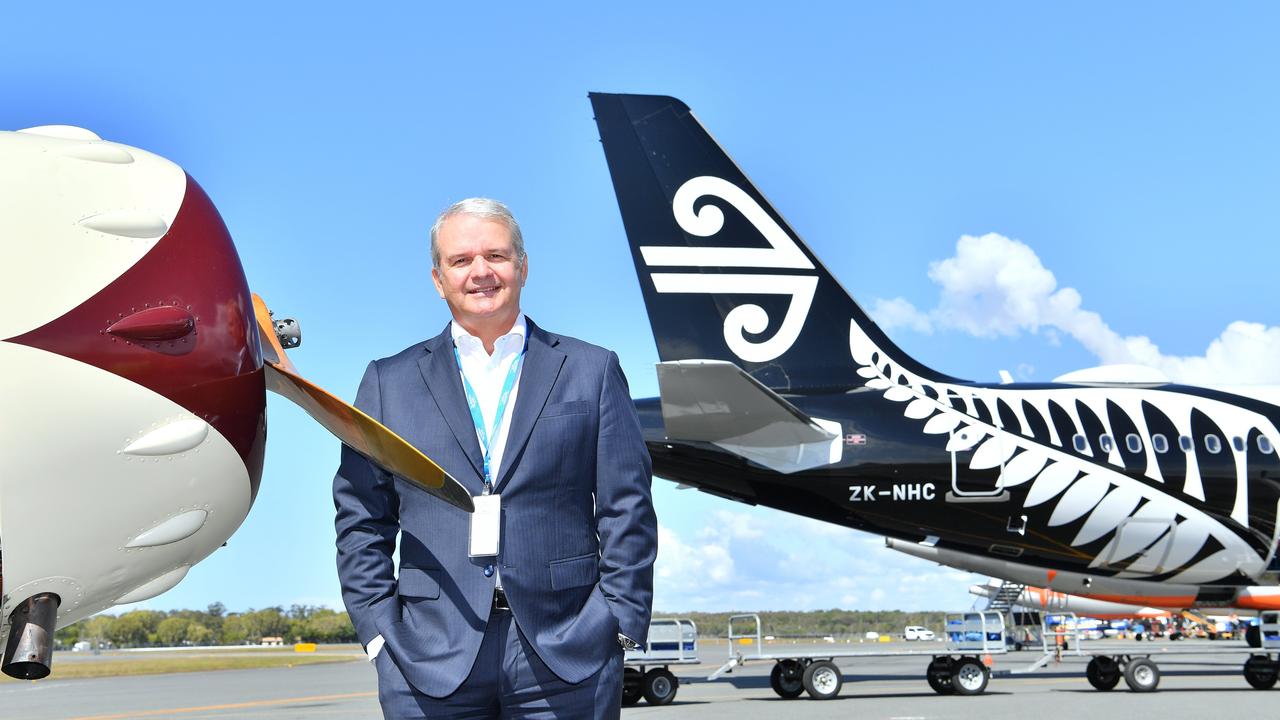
pixel 574 407
pixel 575 571
pixel 418 584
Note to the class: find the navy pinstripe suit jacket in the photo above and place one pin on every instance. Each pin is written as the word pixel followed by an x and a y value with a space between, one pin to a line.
pixel 579 535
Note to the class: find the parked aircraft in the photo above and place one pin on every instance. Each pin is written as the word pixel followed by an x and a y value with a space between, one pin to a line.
pixel 1212 622
pixel 777 389
pixel 133 375
pixel 1041 599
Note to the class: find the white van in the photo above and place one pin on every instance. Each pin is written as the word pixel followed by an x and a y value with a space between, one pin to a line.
pixel 915 632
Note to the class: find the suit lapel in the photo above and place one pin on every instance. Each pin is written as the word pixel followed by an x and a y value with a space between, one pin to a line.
pixel 542 365
pixel 440 372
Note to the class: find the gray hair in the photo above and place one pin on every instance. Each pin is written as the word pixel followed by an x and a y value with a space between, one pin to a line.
pixel 484 208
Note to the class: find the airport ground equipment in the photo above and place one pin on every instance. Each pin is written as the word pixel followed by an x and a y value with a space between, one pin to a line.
pixel 672 641
pixel 1022 626
pixel 1024 629
pixel 1006 597
pixel 1110 663
pixel 916 632
pixel 959 667
pixel 974 638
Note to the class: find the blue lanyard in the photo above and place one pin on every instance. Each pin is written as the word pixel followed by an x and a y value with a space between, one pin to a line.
pixel 473 404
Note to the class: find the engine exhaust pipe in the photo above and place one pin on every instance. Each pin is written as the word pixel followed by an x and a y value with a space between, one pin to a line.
pixel 29 654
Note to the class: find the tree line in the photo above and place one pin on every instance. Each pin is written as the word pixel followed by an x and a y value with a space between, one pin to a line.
pixel 816 623
pixel 303 623
pixel 212 626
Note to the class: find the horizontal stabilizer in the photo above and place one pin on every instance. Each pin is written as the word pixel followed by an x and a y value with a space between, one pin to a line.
pixel 715 401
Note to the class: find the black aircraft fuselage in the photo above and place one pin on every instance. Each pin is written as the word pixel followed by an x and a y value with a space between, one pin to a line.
pixel 892 480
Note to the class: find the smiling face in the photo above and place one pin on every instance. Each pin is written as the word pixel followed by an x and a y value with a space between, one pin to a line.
pixel 480 275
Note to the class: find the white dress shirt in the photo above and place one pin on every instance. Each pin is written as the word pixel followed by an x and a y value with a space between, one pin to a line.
pixel 487 373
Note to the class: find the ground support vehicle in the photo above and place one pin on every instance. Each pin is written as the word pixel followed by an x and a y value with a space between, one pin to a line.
pixel 960 667
pixel 916 632
pixel 1141 673
pixel 672 641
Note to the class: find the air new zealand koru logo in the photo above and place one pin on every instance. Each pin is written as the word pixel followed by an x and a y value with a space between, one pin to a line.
pixel 783 254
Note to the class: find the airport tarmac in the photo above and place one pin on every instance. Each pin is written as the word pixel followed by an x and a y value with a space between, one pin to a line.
pixel 891 688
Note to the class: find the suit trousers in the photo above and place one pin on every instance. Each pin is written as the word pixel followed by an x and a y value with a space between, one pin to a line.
pixel 508 680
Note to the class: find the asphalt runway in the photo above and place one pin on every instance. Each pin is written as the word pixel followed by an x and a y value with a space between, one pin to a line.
pixel 892 688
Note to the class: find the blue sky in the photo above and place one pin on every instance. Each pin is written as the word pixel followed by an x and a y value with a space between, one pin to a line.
pixel 1129 150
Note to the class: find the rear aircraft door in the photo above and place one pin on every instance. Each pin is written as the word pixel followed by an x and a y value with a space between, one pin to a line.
pixel 977 467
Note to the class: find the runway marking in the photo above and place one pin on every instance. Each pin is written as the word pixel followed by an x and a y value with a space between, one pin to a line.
pixel 229 706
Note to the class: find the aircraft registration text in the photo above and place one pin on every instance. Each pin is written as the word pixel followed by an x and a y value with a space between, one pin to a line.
pixel 909 491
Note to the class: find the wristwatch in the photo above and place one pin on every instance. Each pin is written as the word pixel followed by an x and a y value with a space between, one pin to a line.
pixel 627 643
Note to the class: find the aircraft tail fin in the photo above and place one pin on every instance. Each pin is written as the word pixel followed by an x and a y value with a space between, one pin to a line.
pixel 723 275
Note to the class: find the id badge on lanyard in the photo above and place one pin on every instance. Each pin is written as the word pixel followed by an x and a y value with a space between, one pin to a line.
pixel 486 524
pixel 486 521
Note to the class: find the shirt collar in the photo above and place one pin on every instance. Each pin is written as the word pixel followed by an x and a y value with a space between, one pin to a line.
pixel 465 340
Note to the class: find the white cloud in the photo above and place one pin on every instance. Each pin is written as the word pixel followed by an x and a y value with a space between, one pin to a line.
pixel 900 313
pixel 676 559
pixel 996 286
pixel 739 526
pixel 993 286
pixel 758 559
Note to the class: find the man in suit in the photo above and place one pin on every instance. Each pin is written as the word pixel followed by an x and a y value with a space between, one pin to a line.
pixel 523 608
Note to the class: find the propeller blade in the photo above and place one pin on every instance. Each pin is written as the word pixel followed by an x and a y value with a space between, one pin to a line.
pixel 354 428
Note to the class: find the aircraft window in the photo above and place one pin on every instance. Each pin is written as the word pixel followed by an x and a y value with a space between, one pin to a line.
pixel 1264 445
pixel 1212 444
pixel 1237 442
pixel 1104 442
pixel 1160 443
pixel 1185 443
pixel 1133 442
pixel 1081 443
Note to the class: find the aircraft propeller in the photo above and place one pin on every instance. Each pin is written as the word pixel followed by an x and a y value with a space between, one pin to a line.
pixel 353 427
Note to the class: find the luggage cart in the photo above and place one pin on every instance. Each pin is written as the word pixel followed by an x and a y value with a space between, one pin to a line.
pixel 1108 665
pixel 977 634
pixel 645 673
pixel 958 668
